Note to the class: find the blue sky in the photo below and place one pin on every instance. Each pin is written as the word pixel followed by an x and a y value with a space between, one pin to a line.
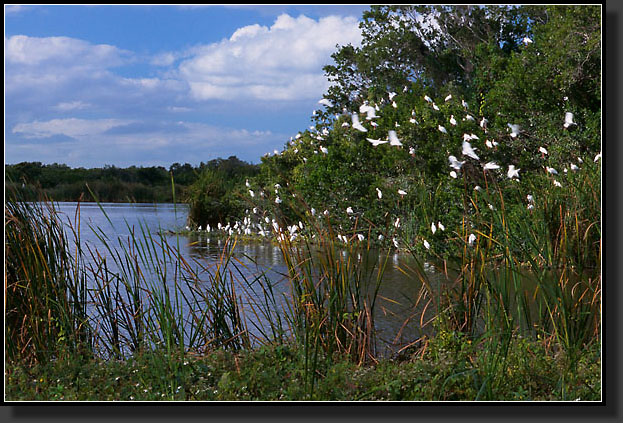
pixel 154 85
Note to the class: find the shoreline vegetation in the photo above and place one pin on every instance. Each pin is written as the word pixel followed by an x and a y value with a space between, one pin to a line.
pixel 475 164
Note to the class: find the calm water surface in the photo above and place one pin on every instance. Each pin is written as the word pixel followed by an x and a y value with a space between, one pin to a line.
pixel 397 295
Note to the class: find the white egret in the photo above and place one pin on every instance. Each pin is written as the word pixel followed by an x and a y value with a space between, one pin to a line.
pixel 393 139
pixel 470 117
pixel 412 151
pixel 477 188
pixel 376 142
pixel 394 105
pixel 526 41
pixel 428 99
pixel 371 113
pixel 543 151
pixel 345 124
pixel 426 244
pixel 490 166
pixel 397 222
pixel 392 95
pixel 489 144
pixel 453 174
pixel 471 239
pixel 247 184
pixel 515 129
pixel 464 103
pixel 356 123
pixel 251 193
pixel 278 200
pixel 452 120
pixel 326 212
pixel 469 151
pixel 402 193
pixel 597 157
pixel 433 228
pixel 530 198
pixel 574 167
pixel 395 242
pixel 454 163
pixel 442 129
pixel 435 107
pixel 580 160
pixel 440 226
pixel 556 183
pixel 379 193
pixel 374 124
pixel 325 102
pixel 483 123
pixel 448 97
pixel 412 120
pixel 512 172
pixel 568 120
pixel 324 150
pixel 551 170
pixel 349 210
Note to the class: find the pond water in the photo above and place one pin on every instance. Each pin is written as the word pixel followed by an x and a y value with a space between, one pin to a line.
pixel 398 293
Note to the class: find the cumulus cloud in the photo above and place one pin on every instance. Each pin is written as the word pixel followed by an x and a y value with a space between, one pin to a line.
pixel 280 62
pixel 61 51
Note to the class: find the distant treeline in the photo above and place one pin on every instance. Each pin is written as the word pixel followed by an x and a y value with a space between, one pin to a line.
pixel 113 184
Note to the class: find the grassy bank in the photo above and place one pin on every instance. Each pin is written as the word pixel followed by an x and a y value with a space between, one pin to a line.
pixel 450 368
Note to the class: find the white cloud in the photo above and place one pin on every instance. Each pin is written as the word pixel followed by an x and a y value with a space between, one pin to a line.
pixel 280 62
pixel 71 127
pixel 61 51
pixel 71 105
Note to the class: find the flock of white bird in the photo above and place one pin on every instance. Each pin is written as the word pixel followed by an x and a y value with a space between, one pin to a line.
pixel 371 113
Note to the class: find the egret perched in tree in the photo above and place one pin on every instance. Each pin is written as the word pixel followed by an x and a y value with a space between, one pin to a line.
pixel 464 104
pixel 440 226
pixel 278 200
pixel 515 129
pixel 489 144
pixel 512 172
pixel 469 151
pixel 568 120
pixel 452 120
pixel 597 157
pixel 371 113
pixel 543 151
pixel 558 184
pixel 551 170
pixel 376 142
pixel 393 139
pixel 394 105
pixel 251 193
pixel 361 237
pixel 433 228
pixel 356 123
pixel 574 167
pixel 442 129
pixel 454 163
pixel 345 124
pixel 324 150
pixel 483 123
pixel 471 239
pixel 426 244
pixel 490 166
pixel 470 117
pixel 526 41
pixel 349 210
pixel 412 151
pixel 392 95
pixel 379 193
pixel 325 102
pixel 402 193
pixel 247 184
pixel 435 107
pixel 453 174
pixel 428 99
pixel 395 242
pixel 448 97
